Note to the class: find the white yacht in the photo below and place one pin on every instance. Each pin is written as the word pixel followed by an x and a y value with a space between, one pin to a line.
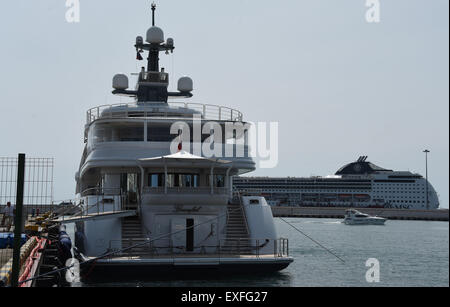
pixel 354 217
pixel 149 202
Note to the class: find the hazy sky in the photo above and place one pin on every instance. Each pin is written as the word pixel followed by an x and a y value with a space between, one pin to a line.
pixel 338 86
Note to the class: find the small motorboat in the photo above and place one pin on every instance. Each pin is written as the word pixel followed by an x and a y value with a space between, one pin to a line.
pixel 354 217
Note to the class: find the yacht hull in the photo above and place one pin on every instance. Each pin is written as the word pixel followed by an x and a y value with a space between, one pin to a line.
pixel 186 268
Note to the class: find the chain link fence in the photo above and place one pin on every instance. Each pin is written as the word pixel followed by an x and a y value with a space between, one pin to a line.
pixel 38 198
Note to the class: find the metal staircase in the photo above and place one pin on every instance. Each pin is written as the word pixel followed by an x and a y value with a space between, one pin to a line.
pixel 132 233
pixel 132 228
pixel 237 235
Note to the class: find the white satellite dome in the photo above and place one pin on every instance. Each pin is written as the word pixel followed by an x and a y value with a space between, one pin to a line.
pixel 155 35
pixel 185 84
pixel 120 82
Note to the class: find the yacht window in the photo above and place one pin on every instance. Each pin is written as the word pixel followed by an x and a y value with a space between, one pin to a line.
pixel 130 132
pixel 189 181
pixel 117 132
pixel 219 181
pixel 159 134
pixel 154 180
pixel 173 180
pixel 102 133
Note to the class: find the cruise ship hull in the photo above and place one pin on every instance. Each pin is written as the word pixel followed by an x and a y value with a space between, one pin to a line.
pixel 360 184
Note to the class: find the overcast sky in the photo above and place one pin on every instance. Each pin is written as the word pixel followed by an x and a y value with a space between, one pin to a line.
pixel 339 87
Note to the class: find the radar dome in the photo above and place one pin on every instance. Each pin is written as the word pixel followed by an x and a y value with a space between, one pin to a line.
pixel 185 84
pixel 120 82
pixel 155 35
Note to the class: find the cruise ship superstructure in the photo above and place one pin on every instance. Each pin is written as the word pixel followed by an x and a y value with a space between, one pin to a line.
pixel 357 184
pixel 149 203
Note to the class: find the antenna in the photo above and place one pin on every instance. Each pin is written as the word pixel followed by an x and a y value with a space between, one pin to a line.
pixel 153 13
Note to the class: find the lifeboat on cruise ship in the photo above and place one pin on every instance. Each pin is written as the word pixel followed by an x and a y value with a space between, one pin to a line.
pixel 345 197
pixel 362 197
pixel 310 197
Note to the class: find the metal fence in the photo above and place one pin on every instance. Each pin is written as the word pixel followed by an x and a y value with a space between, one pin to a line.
pixel 38 189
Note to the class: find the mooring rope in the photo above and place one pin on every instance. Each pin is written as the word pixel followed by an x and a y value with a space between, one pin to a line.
pixel 312 239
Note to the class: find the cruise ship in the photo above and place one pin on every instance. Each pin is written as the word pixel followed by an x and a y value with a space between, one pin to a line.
pixel 357 184
pixel 151 206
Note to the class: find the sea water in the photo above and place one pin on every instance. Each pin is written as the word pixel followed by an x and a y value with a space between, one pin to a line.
pixel 400 253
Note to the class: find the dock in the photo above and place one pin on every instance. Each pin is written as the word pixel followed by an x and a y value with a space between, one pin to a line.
pixel 40 251
pixel 338 213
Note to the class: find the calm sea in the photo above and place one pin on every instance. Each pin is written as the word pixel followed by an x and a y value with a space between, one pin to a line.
pixel 410 253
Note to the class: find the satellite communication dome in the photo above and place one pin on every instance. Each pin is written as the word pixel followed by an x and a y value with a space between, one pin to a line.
pixel 185 84
pixel 169 42
pixel 155 35
pixel 120 82
pixel 139 40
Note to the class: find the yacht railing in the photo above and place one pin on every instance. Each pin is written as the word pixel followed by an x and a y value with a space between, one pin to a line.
pixel 185 190
pixel 239 196
pixel 101 191
pixel 249 248
pixel 129 110
pixel 93 201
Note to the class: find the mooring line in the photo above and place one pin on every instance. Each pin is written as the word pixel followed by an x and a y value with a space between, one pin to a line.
pixel 312 239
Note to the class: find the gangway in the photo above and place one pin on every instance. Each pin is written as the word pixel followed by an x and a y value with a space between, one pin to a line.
pixel 95 216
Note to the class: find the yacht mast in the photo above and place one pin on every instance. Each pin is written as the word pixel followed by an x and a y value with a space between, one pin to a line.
pixel 152 83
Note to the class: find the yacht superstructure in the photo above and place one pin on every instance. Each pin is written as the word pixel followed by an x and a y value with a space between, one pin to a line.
pixel 153 205
pixel 357 184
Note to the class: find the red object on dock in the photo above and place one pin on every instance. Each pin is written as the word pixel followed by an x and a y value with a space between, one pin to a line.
pixel 31 263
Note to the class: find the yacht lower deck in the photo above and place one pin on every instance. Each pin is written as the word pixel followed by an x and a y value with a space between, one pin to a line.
pixel 152 265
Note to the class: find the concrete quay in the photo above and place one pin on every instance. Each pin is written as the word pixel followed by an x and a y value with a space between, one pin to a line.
pixel 334 212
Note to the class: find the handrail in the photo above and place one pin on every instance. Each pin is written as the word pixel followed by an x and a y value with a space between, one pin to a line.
pixel 78 203
pixel 102 191
pixel 245 247
pixel 207 111
pixel 243 212
pixel 69 209
pixel 186 190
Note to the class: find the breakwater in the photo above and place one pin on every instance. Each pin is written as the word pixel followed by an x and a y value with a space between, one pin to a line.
pixel 334 212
